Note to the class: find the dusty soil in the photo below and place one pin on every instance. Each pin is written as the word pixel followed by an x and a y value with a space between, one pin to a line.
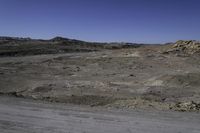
pixel 135 77
pixel 19 115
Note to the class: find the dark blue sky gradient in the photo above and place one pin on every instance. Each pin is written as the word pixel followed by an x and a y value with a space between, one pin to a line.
pixel 148 21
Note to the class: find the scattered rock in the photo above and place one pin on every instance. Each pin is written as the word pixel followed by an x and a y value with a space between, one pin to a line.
pixel 132 75
pixel 187 106
pixel 186 47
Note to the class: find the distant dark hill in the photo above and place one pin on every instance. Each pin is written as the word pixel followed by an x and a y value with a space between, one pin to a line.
pixel 15 46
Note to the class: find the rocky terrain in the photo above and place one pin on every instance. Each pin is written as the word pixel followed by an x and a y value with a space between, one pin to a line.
pixel 112 75
pixel 185 47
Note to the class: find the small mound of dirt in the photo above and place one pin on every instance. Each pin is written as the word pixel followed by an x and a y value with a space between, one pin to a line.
pixel 42 89
pixel 139 103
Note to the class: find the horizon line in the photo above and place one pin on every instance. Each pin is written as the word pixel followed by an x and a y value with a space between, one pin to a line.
pixel 50 38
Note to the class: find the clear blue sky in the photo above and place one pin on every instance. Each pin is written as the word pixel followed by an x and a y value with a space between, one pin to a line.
pixel 148 21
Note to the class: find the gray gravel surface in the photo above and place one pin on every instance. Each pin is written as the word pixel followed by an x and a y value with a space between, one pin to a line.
pixel 19 115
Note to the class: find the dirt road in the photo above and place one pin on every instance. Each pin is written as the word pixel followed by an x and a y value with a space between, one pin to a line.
pixel 26 116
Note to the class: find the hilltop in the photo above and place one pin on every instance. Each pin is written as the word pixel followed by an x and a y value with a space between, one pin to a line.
pixel 15 46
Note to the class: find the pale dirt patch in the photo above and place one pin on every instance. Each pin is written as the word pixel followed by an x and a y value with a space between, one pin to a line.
pixel 135 54
pixel 122 83
pixel 154 82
